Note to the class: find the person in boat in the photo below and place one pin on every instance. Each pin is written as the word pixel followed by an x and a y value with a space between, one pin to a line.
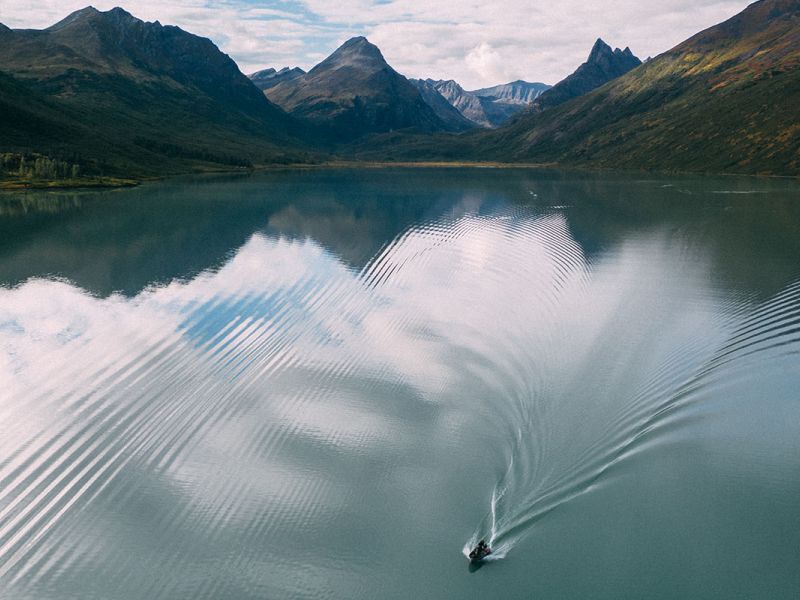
pixel 480 551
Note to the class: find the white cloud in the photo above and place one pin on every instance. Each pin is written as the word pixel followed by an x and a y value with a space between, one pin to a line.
pixel 477 43
pixel 487 63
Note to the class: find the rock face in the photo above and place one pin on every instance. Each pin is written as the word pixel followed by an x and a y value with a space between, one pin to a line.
pixel 502 102
pixel 354 92
pixel 466 103
pixel 603 65
pixel 442 107
pixel 516 92
pixel 489 107
pixel 154 94
pixel 269 78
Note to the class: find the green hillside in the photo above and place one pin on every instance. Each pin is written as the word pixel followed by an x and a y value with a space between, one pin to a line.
pixel 121 96
pixel 726 100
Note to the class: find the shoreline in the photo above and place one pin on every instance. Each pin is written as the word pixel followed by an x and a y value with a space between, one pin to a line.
pixel 344 164
pixel 100 183
pixel 15 185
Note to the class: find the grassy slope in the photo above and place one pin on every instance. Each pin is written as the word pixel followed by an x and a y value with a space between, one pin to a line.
pixel 28 117
pixel 727 99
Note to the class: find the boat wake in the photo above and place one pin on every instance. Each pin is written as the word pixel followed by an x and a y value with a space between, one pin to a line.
pixel 619 384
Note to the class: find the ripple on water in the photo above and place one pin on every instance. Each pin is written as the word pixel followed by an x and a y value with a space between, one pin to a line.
pixel 207 421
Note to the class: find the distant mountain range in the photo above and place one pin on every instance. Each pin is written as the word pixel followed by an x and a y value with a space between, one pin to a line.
pixel 269 78
pixel 467 104
pixel 501 102
pixel 444 108
pixel 356 80
pixel 494 106
pixel 488 107
pixel 517 92
pixel 111 94
pixel 725 100
pixel 354 92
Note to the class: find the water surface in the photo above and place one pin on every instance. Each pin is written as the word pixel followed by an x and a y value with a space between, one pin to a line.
pixel 329 384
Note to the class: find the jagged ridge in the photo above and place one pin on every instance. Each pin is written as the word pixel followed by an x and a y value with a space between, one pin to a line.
pixel 603 65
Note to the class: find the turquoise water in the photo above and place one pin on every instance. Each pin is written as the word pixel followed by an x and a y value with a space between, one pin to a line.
pixel 330 384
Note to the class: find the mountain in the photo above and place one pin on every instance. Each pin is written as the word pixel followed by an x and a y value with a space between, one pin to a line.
pixel 502 102
pixel 354 92
pixel 111 94
pixel 725 100
pixel 466 103
pixel 603 65
pixel 140 97
pixel 488 107
pixel 269 78
pixel 442 107
pixel 516 92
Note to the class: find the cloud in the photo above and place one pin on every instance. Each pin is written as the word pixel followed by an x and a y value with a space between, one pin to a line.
pixel 487 63
pixel 477 43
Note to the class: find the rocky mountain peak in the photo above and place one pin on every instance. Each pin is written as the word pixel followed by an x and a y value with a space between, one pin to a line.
pixel 120 15
pixel 603 65
pixel 358 41
pixel 355 92
pixel 91 16
pixel 615 62
pixel 448 87
pixel 78 16
pixel 356 52
pixel 599 51
pixel 611 60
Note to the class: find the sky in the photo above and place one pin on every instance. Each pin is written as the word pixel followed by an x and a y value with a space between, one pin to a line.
pixel 476 42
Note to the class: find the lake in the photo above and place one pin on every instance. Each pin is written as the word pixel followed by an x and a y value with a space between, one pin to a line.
pixel 331 383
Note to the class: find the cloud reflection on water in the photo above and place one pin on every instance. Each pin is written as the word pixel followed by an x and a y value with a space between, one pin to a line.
pixel 289 396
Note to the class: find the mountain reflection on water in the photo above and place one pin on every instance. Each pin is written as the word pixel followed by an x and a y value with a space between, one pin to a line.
pixel 327 383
